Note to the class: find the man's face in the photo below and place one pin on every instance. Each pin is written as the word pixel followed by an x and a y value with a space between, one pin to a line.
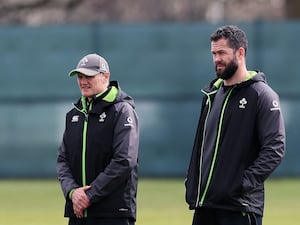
pixel 92 85
pixel 225 59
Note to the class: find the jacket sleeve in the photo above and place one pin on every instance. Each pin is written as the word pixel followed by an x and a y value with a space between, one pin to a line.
pixel 271 135
pixel 64 173
pixel 125 154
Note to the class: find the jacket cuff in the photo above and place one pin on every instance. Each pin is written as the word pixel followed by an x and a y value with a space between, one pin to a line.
pixel 90 195
pixel 70 194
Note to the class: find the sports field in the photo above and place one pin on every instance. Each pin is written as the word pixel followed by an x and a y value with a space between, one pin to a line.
pixel 160 202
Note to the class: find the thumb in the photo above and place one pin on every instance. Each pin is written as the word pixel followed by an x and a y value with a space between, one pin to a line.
pixel 85 188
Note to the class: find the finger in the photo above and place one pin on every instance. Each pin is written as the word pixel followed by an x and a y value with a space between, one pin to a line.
pixel 83 201
pixel 85 188
pixel 78 213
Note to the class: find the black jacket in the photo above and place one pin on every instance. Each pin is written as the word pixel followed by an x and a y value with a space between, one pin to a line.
pixel 239 141
pixel 100 148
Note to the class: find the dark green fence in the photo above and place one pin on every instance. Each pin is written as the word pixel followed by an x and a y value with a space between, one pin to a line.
pixel 163 66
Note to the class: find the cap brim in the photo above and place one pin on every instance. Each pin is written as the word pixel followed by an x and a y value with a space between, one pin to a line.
pixel 84 71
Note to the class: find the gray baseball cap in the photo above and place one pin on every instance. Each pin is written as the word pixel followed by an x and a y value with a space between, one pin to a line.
pixel 91 65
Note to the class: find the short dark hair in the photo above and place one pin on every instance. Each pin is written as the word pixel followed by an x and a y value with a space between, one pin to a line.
pixel 236 37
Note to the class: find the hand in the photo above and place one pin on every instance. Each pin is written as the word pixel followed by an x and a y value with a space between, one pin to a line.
pixel 80 200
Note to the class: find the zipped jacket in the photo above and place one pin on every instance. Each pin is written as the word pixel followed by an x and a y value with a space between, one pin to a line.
pixel 100 149
pixel 240 140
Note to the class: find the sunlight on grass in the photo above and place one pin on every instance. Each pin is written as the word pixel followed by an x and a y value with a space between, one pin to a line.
pixel 31 202
pixel 282 202
pixel 160 202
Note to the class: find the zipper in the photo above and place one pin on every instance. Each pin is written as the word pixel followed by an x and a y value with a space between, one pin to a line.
pixel 83 171
pixel 201 196
pixel 85 110
pixel 201 150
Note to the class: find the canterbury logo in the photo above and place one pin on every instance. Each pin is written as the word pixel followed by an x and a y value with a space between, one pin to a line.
pixel 75 119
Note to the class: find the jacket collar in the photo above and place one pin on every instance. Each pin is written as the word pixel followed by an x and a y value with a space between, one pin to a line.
pixel 253 76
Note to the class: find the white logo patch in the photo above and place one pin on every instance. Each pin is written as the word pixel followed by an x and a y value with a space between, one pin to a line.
pixel 102 117
pixel 104 67
pixel 123 210
pixel 84 61
pixel 75 119
pixel 276 106
pixel 129 122
pixel 243 102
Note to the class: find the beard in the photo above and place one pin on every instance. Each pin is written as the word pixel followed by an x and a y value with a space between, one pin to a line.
pixel 229 70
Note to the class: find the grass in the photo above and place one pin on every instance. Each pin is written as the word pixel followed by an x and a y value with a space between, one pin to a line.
pixel 160 201
pixel 282 202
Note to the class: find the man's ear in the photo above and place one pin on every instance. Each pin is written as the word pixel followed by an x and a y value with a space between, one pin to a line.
pixel 241 52
pixel 107 76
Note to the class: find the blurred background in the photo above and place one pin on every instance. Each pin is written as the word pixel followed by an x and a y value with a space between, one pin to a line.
pixel 159 50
